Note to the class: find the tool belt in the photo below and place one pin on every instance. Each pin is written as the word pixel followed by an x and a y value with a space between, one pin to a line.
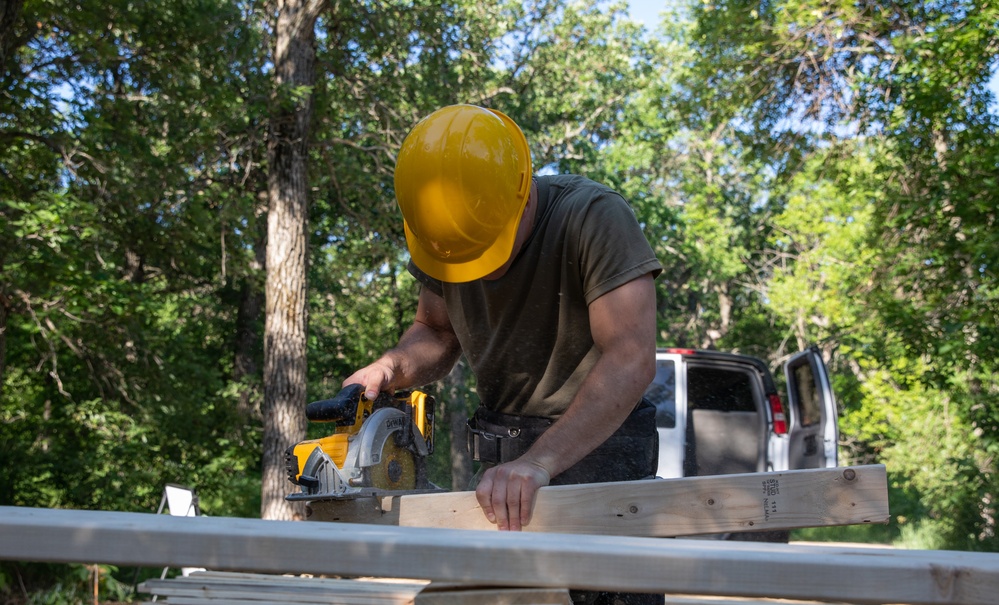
pixel 494 437
pixel 631 453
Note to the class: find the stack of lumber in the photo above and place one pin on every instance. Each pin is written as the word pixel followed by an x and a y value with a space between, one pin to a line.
pixel 227 588
pixel 224 588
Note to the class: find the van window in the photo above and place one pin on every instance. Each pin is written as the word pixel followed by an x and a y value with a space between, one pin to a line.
pixel 662 394
pixel 809 406
pixel 720 389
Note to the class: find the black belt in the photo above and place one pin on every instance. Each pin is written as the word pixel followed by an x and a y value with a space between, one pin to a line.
pixel 494 438
pixel 631 453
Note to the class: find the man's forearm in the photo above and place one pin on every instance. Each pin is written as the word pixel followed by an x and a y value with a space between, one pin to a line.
pixel 602 404
pixel 506 492
pixel 422 356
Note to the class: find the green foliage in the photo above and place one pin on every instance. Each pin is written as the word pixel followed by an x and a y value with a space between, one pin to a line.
pixel 113 287
pixel 883 246
pixel 931 449
pixel 48 584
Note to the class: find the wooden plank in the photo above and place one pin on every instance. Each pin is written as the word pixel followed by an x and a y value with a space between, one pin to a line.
pixel 228 588
pixel 680 507
pixel 247 581
pixel 206 601
pixel 242 598
pixel 514 596
pixel 591 562
pixel 280 595
pixel 221 597
pixel 495 596
pixel 272 588
pixel 483 596
pixel 267 589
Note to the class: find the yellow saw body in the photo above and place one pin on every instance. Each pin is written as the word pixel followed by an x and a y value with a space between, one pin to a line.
pixel 377 447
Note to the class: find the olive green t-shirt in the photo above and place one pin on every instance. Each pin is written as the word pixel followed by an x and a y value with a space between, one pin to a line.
pixel 527 334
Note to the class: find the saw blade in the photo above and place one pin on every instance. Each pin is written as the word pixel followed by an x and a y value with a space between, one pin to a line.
pixel 397 469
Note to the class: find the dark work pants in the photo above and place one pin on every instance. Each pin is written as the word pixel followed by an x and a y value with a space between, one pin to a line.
pixel 630 454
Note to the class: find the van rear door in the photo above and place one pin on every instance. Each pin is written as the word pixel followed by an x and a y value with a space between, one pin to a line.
pixel 813 433
pixel 668 393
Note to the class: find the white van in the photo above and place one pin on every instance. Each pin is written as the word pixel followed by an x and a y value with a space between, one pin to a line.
pixel 720 413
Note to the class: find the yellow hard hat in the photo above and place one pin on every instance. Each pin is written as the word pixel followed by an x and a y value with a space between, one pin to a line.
pixel 462 181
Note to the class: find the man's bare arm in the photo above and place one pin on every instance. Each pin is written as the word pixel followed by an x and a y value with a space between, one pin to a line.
pixel 623 324
pixel 425 353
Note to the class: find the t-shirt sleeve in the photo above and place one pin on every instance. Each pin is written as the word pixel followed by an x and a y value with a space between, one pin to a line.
pixel 612 248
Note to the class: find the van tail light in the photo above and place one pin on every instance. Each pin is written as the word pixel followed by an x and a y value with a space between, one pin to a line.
pixel 777 412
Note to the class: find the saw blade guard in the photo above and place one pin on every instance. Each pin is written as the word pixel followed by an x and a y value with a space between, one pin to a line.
pixel 322 467
pixel 369 443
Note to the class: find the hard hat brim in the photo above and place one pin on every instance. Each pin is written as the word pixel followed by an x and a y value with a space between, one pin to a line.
pixel 460 272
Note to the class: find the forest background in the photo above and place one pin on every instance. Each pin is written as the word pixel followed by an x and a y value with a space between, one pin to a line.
pixel 198 231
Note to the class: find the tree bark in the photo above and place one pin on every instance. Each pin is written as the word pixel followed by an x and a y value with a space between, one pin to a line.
pixel 246 366
pixel 3 338
pixel 287 241
pixel 246 361
pixel 456 405
pixel 10 14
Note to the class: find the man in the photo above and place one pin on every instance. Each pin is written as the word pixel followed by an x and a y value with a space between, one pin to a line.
pixel 546 285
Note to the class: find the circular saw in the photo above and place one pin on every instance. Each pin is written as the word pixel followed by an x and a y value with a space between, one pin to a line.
pixel 377 447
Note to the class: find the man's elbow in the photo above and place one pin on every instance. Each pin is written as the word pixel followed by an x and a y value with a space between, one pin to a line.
pixel 646 369
pixel 639 365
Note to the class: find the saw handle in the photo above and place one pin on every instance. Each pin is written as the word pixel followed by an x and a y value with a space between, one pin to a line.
pixel 342 407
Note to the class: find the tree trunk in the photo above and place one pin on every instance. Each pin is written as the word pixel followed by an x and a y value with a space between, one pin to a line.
pixel 246 366
pixel 10 14
pixel 3 339
pixel 247 346
pixel 455 389
pixel 287 241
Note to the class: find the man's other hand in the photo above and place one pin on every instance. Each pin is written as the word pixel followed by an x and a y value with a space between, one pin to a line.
pixel 507 492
